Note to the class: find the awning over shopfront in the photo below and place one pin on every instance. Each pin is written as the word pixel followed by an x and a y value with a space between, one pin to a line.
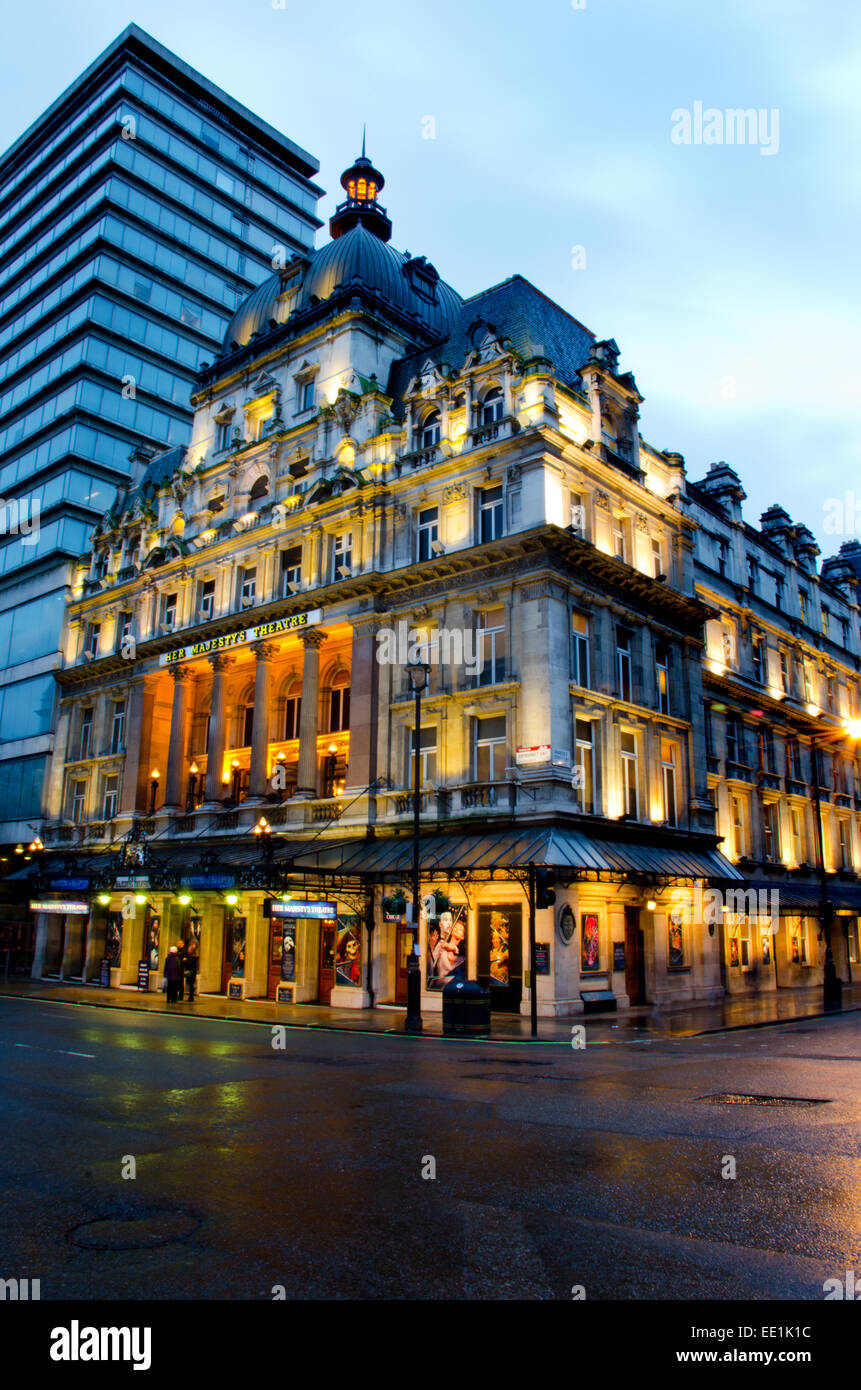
pixel 565 850
pixel 806 897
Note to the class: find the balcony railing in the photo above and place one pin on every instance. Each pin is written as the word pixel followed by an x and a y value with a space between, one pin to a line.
pixel 740 771
pixel 488 794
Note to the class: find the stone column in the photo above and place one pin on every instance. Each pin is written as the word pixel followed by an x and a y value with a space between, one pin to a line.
pixel 258 786
pixel 364 708
pixel 306 780
pixel 217 731
pixel 174 785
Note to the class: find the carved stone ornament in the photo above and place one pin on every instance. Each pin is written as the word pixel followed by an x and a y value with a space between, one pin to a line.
pixel 642 522
pixel 514 473
pixel 455 493
pixel 602 500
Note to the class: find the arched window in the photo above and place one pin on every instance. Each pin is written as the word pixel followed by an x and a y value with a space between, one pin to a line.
pixel 293 711
pixel 351 188
pixel 362 189
pixel 460 400
pixel 492 406
pixel 260 488
pixel 339 704
pixel 372 191
pixel 429 432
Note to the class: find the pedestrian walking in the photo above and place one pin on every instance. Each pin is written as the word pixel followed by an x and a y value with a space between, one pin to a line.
pixel 192 961
pixel 180 951
pixel 171 974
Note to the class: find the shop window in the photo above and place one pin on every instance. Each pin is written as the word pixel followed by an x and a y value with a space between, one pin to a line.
pixel 799 943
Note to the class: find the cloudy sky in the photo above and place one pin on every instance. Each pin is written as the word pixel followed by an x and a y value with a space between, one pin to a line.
pixel 728 276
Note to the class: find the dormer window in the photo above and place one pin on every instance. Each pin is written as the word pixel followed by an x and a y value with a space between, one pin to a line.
pixel 492 406
pixel 429 432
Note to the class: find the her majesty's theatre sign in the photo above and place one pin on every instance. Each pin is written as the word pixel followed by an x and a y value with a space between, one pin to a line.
pixel 238 639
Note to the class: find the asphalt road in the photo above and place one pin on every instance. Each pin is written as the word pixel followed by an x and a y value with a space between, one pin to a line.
pixel 303 1167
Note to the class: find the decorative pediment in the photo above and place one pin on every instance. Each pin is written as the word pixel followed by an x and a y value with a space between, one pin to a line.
pixel 262 386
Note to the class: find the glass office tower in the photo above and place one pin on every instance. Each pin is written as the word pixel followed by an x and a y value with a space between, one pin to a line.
pixel 135 214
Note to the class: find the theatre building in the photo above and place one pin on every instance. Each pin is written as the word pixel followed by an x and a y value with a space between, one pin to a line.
pixel 383 473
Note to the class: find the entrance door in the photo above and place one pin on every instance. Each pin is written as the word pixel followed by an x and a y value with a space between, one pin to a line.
pixel 276 952
pixel 328 932
pixel 227 952
pixel 55 942
pixel 500 956
pixel 76 940
pixel 635 958
pixel 404 939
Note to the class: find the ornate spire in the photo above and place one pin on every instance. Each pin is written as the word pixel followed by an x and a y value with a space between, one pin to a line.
pixel 361 183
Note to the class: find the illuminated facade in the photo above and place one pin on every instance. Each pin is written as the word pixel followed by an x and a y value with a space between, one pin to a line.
pixel 380 470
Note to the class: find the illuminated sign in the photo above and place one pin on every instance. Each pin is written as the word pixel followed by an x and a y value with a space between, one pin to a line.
pixel 300 909
pixel 71 909
pixel 276 628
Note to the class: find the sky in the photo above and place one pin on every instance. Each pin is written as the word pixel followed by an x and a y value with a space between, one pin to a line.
pixel 547 139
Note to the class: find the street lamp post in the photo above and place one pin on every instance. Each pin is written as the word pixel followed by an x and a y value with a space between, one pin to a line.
pixel 418 673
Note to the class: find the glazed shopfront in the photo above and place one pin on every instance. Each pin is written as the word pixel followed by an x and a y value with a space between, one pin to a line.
pixel 328 923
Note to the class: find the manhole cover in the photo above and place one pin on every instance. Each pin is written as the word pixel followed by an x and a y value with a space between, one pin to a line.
pixel 142 1232
pixel 735 1098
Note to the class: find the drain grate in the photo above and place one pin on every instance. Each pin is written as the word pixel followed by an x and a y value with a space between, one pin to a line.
pixel 738 1098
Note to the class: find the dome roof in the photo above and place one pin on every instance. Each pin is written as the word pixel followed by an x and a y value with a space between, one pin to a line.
pixel 359 253
pixel 408 284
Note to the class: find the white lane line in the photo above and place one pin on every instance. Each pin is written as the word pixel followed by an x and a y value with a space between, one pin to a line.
pixel 27 1045
pixel 64 1053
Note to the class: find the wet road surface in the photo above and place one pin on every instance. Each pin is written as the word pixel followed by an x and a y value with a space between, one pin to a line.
pixel 303 1166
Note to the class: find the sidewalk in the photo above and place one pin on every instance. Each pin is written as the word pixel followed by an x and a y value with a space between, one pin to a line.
pixel 684 1020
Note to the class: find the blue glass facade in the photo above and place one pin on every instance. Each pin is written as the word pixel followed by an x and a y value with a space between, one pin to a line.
pixel 137 213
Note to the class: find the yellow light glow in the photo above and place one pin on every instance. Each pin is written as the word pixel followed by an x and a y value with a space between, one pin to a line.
pixel 155 774
pixel 717 667
pixel 195 769
pixel 231 899
pixel 651 905
pixel 140 899
pixel 184 899
pixel 104 899
pixel 776 693
pixel 813 709
pixel 853 728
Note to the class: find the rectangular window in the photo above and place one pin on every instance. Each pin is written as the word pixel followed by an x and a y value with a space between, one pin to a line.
pixel 94 637
pixel 339 709
pixel 584 766
pixel 248 587
pixel 765 750
pixel 109 798
pixel 735 749
pixel 657 558
pixel 118 726
pixel 728 642
pixel 629 774
pixel 784 672
pixel 580 639
pixel 770 835
pixel 668 775
pixel 778 591
pixel 854 941
pixel 825 615
pixel 427 757
pixel 809 685
pixel 843 841
pixel 620 548
pixel 223 431
pixel 342 556
pixel 206 600
pixel 831 694
pixel 306 395
pixel 758 653
pixel 490 518
pixel 710 731
pixel 124 629
pixel 490 749
pixel 623 663
pixel 738 830
pixel 723 556
pixel 662 676
pixel 797 834
pixel 427 533
pixel 752 573
pixel 79 796
pixel 86 734
pixel 291 570
pixel 292 716
pixel 577 514
pixel 491 630
pixel 802 604
pixel 168 611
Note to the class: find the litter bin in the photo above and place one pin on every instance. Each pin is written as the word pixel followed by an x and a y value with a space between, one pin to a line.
pixel 465 1009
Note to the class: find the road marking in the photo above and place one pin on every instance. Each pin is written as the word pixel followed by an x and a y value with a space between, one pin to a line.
pixel 28 1045
pixel 64 1053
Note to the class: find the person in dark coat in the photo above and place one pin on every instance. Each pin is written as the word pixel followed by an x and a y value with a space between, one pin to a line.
pixel 171 974
pixel 192 962
pixel 180 951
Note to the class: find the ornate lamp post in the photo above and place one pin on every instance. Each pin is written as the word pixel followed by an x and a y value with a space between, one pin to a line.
pixel 418 673
pixel 153 789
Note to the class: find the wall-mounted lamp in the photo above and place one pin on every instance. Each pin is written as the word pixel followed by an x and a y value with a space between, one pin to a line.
pixel 153 788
